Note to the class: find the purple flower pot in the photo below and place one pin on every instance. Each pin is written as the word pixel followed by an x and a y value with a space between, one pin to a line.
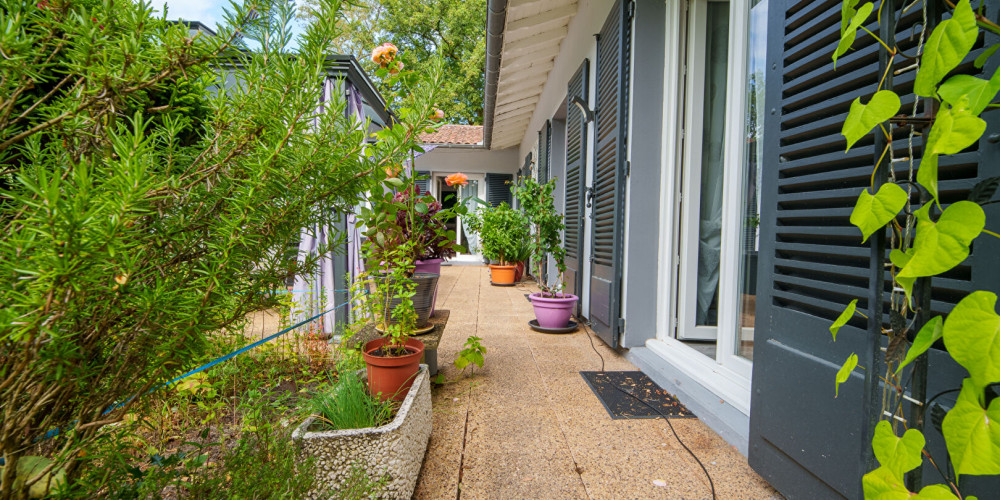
pixel 430 266
pixel 553 312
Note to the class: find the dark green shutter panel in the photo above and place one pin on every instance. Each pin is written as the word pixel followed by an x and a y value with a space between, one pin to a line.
pixel 812 262
pixel 576 149
pixel 498 188
pixel 609 172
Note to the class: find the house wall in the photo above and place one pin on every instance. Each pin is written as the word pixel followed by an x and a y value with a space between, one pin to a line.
pixel 469 160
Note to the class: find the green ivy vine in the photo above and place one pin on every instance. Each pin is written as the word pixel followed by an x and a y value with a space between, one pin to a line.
pixel 925 242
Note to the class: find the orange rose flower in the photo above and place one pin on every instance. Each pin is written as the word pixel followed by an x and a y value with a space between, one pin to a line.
pixel 437 114
pixel 457 179
pixel 384 54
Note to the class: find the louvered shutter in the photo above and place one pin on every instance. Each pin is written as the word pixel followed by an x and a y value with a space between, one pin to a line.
pixel 812 262
pixel 576 149
pixel 498 188
pixel 423 182
pixel 609 172
pixel 544 153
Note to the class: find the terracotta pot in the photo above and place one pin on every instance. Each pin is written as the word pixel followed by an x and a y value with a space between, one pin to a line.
pixel 502 275
pixel 432 266
pixel 553 312
pixel 391 377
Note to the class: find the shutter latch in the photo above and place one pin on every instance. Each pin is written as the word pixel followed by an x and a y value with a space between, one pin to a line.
pixel 590 196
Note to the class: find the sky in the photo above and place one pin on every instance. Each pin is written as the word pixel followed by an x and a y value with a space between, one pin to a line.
pixel 209 12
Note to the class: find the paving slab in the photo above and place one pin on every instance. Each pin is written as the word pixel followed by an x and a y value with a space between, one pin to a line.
pixel 528 426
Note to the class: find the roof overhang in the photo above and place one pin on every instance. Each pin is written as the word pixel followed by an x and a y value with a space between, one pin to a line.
pixel 523 40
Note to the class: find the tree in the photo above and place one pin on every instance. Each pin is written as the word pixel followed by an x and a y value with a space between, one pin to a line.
pixel 148 204
pixel 455 30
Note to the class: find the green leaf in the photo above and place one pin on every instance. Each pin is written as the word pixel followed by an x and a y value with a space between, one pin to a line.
pixel 394 182
pixel 947 46
pixel 843 318
pixel 847 12
pixel 900 259
pixel 845 372
pixel 864 117
pixel 955 128
pixel 927 175
pixel 872 213
pixel 979 92
pixel 972 433
pixel 928 335
pixel 937 492
pixel 461 362
pixel 943 245
pixel 848 34
pixel 972 336
pixel 898 454
pixel 420 207
pixel 981 58
pixel 882 484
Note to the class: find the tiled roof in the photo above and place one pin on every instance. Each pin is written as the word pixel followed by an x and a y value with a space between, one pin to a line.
pixel 455 134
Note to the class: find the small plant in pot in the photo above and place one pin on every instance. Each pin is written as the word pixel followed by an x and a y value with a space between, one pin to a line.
pixel 502 232
pixel 437 242
pixel 553 307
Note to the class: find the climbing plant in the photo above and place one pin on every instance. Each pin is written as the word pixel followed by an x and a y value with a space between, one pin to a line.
pixel 927 238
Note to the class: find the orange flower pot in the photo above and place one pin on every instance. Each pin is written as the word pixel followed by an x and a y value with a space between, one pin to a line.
pixel 391 377
pixel 502 275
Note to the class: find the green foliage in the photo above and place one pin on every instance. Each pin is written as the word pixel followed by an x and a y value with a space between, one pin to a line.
pixel 864 117
pixel 347 405
pixel 940 241
pixel 539 207
pixel 452 30
pixel 852 20
pixel 473 354
pixel 502 232
pixel 844 373
pixel 844 317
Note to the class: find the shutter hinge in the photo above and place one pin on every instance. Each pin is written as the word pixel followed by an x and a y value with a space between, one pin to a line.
pixel 630 10
pixel 621 324
pixel 628 168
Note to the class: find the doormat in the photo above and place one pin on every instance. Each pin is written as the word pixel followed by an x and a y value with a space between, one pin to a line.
pixel 609 387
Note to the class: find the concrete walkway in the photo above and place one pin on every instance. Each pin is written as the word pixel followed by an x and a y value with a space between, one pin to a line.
pixel 528 426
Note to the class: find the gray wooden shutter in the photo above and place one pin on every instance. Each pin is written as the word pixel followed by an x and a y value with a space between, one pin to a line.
pixel 812 262
pixel 544 153
pixel 609 172
pixel 576 149
pixel 424 182
pixel 498 188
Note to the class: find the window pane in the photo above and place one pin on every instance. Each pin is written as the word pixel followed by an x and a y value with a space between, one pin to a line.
pixel 754 126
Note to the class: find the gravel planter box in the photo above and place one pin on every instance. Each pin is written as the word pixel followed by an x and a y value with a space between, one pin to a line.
pixel 396 449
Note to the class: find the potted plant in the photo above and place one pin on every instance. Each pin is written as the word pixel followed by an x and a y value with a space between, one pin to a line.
pixel 502 232
pixel 437 242
pixel 553 307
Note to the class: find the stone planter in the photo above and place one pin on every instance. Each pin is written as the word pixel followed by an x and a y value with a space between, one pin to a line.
pixel 396 449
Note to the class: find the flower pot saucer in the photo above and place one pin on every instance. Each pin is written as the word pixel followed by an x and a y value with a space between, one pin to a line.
pixel 502 284
pixel 570 328
pixel 418 331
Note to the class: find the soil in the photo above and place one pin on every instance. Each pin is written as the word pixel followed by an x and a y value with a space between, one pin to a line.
pixel 391 352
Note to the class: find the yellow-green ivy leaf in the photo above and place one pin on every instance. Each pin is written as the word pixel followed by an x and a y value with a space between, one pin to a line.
pixel 979 92
pixel 872 213
pixel 927 175
pixel 899 259
pixel 864 117
pixel 947 46
pixel 847 11
pixel 955 128
pixel 898 454
pixel 928 335
pixel 972 433
pixel 943 245
pixel 845 372
pixel 981 58
pixel 882 484
pixel 843 318
pixel 937 492
pixel 972 336
pixel 848 34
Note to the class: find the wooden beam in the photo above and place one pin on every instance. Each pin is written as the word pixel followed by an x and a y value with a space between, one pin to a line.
pixel 529 44
pixel 507 106
pixel 558 15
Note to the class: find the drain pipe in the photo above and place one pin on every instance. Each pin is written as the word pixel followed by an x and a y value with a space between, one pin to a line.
pixel 496 19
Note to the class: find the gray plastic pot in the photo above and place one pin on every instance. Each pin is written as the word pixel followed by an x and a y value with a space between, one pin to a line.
pixel 423 301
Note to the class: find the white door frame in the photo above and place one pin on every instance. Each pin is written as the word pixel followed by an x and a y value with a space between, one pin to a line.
pixel 438 177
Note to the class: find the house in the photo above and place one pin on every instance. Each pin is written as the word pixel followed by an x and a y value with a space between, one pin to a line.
pixel 700 167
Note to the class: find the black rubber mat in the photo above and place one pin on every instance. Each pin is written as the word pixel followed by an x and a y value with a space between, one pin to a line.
pixel 609 387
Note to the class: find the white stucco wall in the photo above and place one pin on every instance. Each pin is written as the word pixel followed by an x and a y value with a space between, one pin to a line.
pixel 444 159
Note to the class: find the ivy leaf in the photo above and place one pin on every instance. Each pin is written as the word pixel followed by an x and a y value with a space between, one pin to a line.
pixel 972 433
pixel 941 246
pixel 898 454
pixel 981 59
pixel 947 46
pixel 845 372
pixel 882 484
pixel 848 34
pixel 927 175
pixel 847 11
pixel 955 128
pixel 872 213
pixel 984 190
pixel 843 318
pixel 978 91
pixel 972 336
pixel 864 117
pixel 928 335
pixel 900 259
pixel 937 492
